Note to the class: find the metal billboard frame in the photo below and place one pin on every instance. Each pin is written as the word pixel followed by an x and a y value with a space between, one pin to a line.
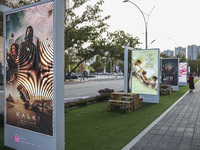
pixel 175 87
pixel 148 98
pixel 29 139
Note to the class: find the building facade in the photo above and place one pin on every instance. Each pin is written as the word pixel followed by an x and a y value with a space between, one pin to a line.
pixel 180 51
pixel 192 51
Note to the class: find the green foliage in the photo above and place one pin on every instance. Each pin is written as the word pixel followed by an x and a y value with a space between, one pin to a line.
pixel 194 64
pixel 181 57
pixel 84 102
pixel 163 55
pixel 116 42
pixel 91 69
pixel 85 28
pixel 98 64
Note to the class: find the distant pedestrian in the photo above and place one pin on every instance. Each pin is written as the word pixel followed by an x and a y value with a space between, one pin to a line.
pixel 191 83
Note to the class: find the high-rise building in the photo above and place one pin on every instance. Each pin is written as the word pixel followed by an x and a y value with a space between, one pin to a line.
pixel 180 51
pixel 169 53
pixel 198 50
pixel 192 52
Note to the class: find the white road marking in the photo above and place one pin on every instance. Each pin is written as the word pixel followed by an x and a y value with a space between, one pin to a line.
pixel 84 93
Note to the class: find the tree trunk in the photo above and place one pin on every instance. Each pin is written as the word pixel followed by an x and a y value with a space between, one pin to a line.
pixel 74 68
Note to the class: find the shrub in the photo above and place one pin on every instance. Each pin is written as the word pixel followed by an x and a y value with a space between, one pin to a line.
pixel 84 102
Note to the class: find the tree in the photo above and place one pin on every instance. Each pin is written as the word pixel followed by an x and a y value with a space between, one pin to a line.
pixel 116 42
pixel 163 55
pixel 98 64
pixel 181 57
pixel 87 28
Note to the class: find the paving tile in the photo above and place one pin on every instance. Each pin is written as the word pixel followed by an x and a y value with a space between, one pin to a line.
pixel 137 147
pixel 196 141
pixel 186 140
pixel 161 132
pixel 194 147
pixel 184 147
pixel 152 143
pixel 156 138
pixel 191 125
pixel 173 146
pixel 182 125
pixel 197 131
pixel 196 135
pixel 152 131
pixel 166 138
pixel 176 139
pixel 170 133
pixel 180 129
pixel 175 125
pixel 162 145
pixel 148 148
pixel 147 136
pixel 164 127
pixel 142 142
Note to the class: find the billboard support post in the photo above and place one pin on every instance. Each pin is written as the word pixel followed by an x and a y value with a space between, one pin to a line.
pixel 126 69
pixel 59 11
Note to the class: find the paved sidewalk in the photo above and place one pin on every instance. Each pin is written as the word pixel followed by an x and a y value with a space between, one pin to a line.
pixel 177 129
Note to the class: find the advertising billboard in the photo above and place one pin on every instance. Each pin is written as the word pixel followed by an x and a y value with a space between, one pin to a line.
pixel 183 73
pixel 145 72
pixel 29 48
pixel 169 71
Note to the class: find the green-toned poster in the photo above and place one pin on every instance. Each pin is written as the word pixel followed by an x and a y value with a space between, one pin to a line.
pixel 145 71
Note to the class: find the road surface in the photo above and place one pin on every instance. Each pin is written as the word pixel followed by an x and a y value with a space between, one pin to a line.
pixel 89 89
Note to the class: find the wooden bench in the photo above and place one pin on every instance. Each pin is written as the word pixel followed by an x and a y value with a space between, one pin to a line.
pixel 166 89
pixel 136 101
pixel 127 99
pixel 113 103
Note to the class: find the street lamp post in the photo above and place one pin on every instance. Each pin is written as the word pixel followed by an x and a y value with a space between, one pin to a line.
pixel 145 21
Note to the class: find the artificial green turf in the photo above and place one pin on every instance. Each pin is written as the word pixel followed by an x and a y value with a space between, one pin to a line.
pixel 93 127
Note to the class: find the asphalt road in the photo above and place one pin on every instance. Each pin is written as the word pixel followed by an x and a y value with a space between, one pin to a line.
pixel 90 88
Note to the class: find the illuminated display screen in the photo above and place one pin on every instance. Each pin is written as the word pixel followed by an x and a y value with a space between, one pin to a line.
pixel 29 48
pixel 145 72
pixel 169 71
pixel 183 72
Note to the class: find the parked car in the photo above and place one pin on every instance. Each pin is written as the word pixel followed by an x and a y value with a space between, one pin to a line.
pixel 72 76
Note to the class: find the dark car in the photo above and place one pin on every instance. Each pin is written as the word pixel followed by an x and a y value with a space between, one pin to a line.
pixel 72 76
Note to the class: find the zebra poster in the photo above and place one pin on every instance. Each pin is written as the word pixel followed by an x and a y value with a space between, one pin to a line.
pixel 29 48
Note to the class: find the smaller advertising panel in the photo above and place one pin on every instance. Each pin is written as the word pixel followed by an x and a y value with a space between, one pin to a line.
pixel 145 64
pixel 183 72
pixel 169 71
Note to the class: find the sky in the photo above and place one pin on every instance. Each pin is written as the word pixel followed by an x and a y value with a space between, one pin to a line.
pixel 172 23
